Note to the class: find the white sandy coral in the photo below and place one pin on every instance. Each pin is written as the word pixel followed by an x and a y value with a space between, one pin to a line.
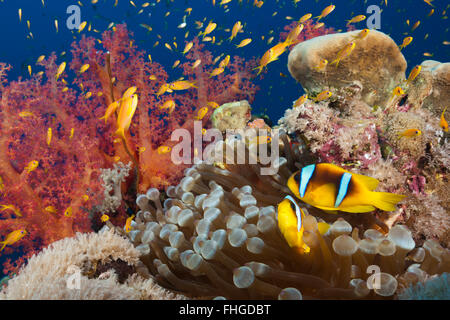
pixel 56 272
pixel 112 180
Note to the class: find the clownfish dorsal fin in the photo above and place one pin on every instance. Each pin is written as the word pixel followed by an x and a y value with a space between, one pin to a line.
pixel 369 182
pixel 305 175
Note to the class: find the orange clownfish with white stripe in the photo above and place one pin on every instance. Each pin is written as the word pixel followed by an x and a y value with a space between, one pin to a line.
pixel 331 188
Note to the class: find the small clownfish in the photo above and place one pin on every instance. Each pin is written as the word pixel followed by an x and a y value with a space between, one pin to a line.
pixel 290 222
pixel 329 187
pixel 410 133
pixel 443 123
pixel 128 224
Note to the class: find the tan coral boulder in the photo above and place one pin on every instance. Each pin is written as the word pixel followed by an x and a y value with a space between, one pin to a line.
pixel 231 116
pixel 376 63
pixel 439 97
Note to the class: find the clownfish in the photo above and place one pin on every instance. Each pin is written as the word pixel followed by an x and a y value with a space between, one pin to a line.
pixel 329 187
pixel 290 222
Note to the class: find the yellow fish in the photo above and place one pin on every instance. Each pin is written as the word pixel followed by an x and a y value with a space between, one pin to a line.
pixel 414 27
pixel 196 63
pixel 169 104
pixel 398 91
pixel 49 136
pixel 224 62
pixel 85 197
pixel 182 85
pixel 356 19
pixel 209 28
pixel 443 123
pixel 216 72
pixel 329 187
pixel 322 65
pixel 10 207
pixel 213 104
pixel 300 101
pixel 293 35
pixel 175 64
pixel 260 140
pixel 32 166
pixel 50 209
pixel 13 237
pixel 163 89
pixel 68 212
pixel 40 59
pixel 264 61
pixel 236 29
pixel 326 12
pixel 188 47
pixel 72 131
pixel 305 18
pixel 413 74
pixel 128 224
pixel 84 68
pixel 60 70
pixel 244 42
pixel 104 218
pixel 345 52
pixel 323 96
pixel 319 25
pixel 110 110
pixel 25 114
pixel 126 113
pixel 82 26
pixel 410 133
pixel 406 42
pixel 362 34
pixel 291 224
pixel 201 113
pixel 164 149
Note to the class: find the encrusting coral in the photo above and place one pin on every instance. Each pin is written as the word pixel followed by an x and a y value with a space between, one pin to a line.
pixel 89 266
pixel 217 235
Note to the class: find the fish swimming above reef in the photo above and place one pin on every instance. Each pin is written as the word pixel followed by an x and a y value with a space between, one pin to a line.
pixel 291 224
pixel 329 187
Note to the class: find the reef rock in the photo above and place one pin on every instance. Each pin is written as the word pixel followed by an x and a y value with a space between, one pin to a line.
pixel 376 63
pixel 233 115
pixel 432 87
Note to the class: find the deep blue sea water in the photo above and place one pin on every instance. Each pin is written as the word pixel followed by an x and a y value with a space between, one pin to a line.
pixel 276 93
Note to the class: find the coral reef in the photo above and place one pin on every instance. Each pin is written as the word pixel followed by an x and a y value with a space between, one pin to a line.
pixel 89 266
pixel 217 235
pixel 233 115
pixel 434 288
pixel 376 63
pixel 50 159
pixel 152 125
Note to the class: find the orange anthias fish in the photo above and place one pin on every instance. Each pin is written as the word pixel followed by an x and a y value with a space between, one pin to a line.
pixel 292 37
pixel 331 188
pixel 10 207
pixel 322 65
pixel 169 104
pixel 182 85
pixel 406 42
pixel 326 12
pixel 410 133
pixel 128 224
pixel 443 123
pixel 236 29
pixel 413 74
pixel 264 61
pixel 164 149
pixel 126 113
pixel 110 110
pixel 104 218
pixel 201 113
pixel 300 101
pixel 323 96
pixel 345 52
pixel 244 42
pixel 362 34
pixel 13 237
pixel 356 19
pixel 32 166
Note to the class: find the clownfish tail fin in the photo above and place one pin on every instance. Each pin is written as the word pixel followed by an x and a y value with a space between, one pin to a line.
pixel 385 201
